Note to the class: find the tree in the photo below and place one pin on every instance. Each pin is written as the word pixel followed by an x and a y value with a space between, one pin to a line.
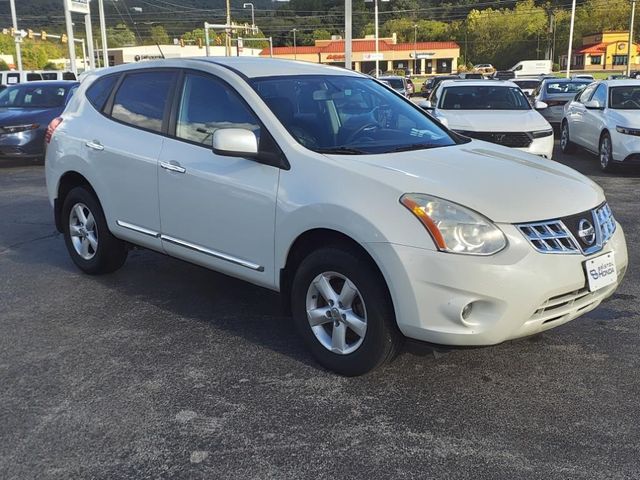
pixel 50 66
pixel 120 36
pixel 321 34
pixel 3 65
pixel 158 35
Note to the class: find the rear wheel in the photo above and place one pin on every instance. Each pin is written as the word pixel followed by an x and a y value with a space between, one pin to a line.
pixel 566 145
pixel 343 311
pixel 91 245
pixel 606 153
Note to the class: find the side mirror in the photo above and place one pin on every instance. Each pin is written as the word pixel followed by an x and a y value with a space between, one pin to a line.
pixel 593 105
pixel 425 105
pixel 235 142
pixel 540 105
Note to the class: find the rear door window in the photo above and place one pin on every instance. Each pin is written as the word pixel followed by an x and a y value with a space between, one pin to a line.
pixel 13 78
pixel 31 77
pixel 99 91
pixel 142 99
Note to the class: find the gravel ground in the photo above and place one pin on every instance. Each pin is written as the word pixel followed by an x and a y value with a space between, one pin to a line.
pixel 167 370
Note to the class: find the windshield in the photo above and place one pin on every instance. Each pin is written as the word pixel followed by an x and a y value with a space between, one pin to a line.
pixel 625 98
pixel 395 83
pixel 350 115
pixel 33 96
pixel 566 87
pixel 483 97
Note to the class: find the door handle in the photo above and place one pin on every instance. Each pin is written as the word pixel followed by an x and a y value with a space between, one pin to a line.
pixel 95 145
pixel 173 166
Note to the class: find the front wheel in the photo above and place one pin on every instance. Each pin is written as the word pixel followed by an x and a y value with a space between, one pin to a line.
pixel 605 153
pixel 566 145
pixel 343 311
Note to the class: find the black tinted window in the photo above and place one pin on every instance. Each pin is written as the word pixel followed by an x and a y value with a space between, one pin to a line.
pixel 49 76
pixel 208 105
pixel 142 98
pixel 100 90
pixel 33 76
pixel 69 76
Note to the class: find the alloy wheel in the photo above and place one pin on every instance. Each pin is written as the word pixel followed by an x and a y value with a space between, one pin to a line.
pixel 605 152
pixel 564 136
pixel 83 231
pixel 336 313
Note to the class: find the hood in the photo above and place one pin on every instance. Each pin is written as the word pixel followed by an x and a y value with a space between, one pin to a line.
pixel 494 120
pixel 505 185
pixel 625 118
pixel 17 116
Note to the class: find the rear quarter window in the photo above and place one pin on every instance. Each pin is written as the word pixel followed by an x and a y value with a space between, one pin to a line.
pixel 99 91
pixel 69 76
pixel 32 77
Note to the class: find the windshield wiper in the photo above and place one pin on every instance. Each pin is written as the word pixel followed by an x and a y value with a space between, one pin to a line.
pixel 341 150
pixel 413 146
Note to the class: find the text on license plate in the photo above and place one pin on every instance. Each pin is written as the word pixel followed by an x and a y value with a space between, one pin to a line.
pixel 601 271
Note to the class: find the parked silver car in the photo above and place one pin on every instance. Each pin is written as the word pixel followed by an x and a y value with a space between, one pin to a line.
pixel 555 92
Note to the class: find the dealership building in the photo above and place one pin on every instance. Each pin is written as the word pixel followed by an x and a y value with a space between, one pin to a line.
pixel 419 57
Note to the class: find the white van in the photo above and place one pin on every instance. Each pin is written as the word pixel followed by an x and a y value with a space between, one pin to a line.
pixel 13 77
pixel 527 68
pixel 57 75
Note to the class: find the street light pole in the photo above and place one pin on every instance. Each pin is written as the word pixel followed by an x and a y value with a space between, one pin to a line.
pixel 630 44
pixel 70 38
pixel 103 34
pixel 253 18
pixel 375 9
pixel 295 45
pixel 227 42
pixel 348 33
pixel 15 29
pixel 415 47
pixel 573 17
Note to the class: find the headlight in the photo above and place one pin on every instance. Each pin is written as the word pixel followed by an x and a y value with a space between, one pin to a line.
pixel 454 228
pixel 19 128
pixel 628 131
pixel 542 133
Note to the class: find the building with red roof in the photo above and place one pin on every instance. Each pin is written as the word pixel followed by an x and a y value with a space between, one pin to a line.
pixel 419 57
pixel 603 51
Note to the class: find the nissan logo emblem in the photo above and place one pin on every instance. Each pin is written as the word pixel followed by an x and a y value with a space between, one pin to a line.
pixel 586 232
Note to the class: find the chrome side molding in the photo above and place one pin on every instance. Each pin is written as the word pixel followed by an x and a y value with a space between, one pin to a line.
pixel 136 228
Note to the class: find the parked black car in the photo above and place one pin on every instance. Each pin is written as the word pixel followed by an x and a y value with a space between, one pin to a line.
pixel 26 110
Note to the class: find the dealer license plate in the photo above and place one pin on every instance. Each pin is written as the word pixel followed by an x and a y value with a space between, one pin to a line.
pixel 601 271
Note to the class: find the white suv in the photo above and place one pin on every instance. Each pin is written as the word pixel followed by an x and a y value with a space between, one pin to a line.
pixel 321 183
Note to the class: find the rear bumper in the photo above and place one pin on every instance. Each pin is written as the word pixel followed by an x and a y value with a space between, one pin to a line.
pixel 29 144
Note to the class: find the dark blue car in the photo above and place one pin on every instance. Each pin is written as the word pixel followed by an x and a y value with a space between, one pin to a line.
pixel 25 112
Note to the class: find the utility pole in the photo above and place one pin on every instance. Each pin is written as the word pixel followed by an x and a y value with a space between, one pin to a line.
pixel 415 47
pixel 70 40
pixel 573 17
pixel 14 18
pixel 348 33
pixel 295 45
pixel 375 8
pixel 228 39
pixel 630 44
pixel 103 34
pixel 89 35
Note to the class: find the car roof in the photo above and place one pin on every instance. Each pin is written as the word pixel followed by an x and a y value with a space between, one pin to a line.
pixel 621 83
pixel 390 77
pixel 565 80
pixel 248 67
pixel 477 82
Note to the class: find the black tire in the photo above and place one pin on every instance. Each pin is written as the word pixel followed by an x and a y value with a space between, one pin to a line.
pixel 110 253
pixel 605 153
pixel 566 145
pixel 382 338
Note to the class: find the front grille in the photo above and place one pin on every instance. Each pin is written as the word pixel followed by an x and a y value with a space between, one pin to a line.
pixel 508 139
pixel 585 233
pixel 569 304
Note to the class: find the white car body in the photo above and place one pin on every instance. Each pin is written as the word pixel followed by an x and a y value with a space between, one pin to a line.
pixel 242 217
pixel 588 123
pixel 500 122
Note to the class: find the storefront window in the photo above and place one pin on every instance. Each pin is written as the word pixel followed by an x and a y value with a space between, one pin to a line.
pixel 619 59
pixel 596 59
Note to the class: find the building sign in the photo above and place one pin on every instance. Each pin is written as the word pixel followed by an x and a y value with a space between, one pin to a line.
pixel 373 56
pixel 335 56
pixel 141 58
pixel 424 55
pixel 78 6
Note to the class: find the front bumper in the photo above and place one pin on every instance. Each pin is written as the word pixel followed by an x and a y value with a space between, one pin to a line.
pixel 626 148
pixel 515 293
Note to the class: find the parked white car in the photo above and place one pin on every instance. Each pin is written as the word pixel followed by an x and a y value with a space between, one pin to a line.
pixel 494 111
pixel 605 119
pixel 321 183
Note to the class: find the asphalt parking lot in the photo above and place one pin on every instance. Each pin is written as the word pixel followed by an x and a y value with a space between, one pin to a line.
pixel 167 370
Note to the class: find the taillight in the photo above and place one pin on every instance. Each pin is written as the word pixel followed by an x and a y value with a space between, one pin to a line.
pixel 52 128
